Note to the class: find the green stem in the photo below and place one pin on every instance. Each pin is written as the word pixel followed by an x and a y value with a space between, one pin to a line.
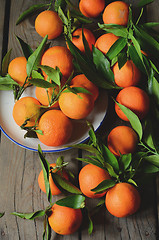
pixel 139 16
pixel 147 148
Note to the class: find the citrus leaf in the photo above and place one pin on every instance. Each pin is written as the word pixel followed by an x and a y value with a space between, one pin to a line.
pixel 5 63
pixel 75 13
pixel 86 147
pixel 41 83
pixel 76 90
pixel 59 4
pixel 35 57
pixel 62 16
pixel 46 171
pixel 103 186
pixel 117 30
pixel 75 201
pixel 64 184
pixel 2 214
pixel 133 118
pixel 148 167
pixel 47 229
pixel 30 216
pixel 53 74
pixel 132 182
pixel 91 161
pixel 116 48
pixel 153 159
pixel 143 3
pixel 125 159
pixel 103 66
pixel 27 50
pixel 7 80
pixel 36 74
pixel 153 87
pixel 148 137
pixel 136 46
pixel 122 59
pixel 150 24
pixel 30 11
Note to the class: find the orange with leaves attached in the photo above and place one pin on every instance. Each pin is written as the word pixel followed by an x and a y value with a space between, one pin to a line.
pixel 77 38
pixel 105 41
pixel 135 99
pixel 53 187
pixel 56 128
pixel 65 220
pixel 91 8
pixel 128 75
pixel 48 23
pixel 116 13
pixel 90 177
pixel 76 105
pixel 26 109
pixel 60 57
pixel 122 200
pixel 122 140
pixel 17 70
pixel 82 80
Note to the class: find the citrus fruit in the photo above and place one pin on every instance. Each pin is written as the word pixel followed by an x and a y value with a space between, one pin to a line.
pixel 53 187
pixel 82 80
pixel 128 75
pixel 26 109
pixel 44 96
pixel 122 140
pixel 65 220
pixel 48 23
pixel 76 106
pixel 91 8
pixel 122 200
pixel 90 177
pixel 17 70
pixel 77 38
pixel 105 41
pixel 56 128
pixel 135 99
pixel 60 57
pixel 116 13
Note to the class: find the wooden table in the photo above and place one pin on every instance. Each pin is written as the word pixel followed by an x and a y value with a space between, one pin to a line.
pixel 19 168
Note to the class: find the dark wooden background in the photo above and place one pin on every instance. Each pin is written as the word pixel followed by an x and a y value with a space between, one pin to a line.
pixel 19 168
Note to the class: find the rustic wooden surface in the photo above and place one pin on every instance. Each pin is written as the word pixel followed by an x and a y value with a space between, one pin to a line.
pixel 19 168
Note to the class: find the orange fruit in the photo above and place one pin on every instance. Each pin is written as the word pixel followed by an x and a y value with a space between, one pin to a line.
pixel 60 57
pixel 105 41
pixel 53 187
pixel 82 81
pixel 26 108
pixel 135 99
pixel 56 128
pixel 76 106
pixel 48 23
pixel 122 140
pixel 65 220
pixel 17 70
pixel 44 96
pixel 78 40
pixel 122 200
pixel 90 177
pixel 116 13
pixel 91 8
pixel 128 75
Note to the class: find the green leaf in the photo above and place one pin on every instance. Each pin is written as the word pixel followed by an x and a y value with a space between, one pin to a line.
pixel 75 201
pixel 46 171
pixel 133 118
pixel 149 168
pixel 117 30
pixel 2 214
pixel 53 74
pixel 122 59
pixel 5 63
pixel 143 3
pixel 91 161
pixel 136 46
pixel 30 11
pixel 103 186
pixel 132 182
pixel 75 13
pixel 148 134
pixel 62 16
pixel 153 159
pixel 116 48
pixel 89 70
pixel 59 4
pixel 27 50
pixel 35 57
pixel 136 59
pixel 76 90
pixel 36 74
pixel 150 24
pixel 30 216
pixel 47 229
pixel 125 159
pixel 153 87
pixel 109 157
pixel 7 80
pixel 86 147
pixel 41 83
pixel 103 66
pixel 64 184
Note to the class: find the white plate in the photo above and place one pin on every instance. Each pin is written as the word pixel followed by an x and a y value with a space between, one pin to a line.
pixel 16 134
